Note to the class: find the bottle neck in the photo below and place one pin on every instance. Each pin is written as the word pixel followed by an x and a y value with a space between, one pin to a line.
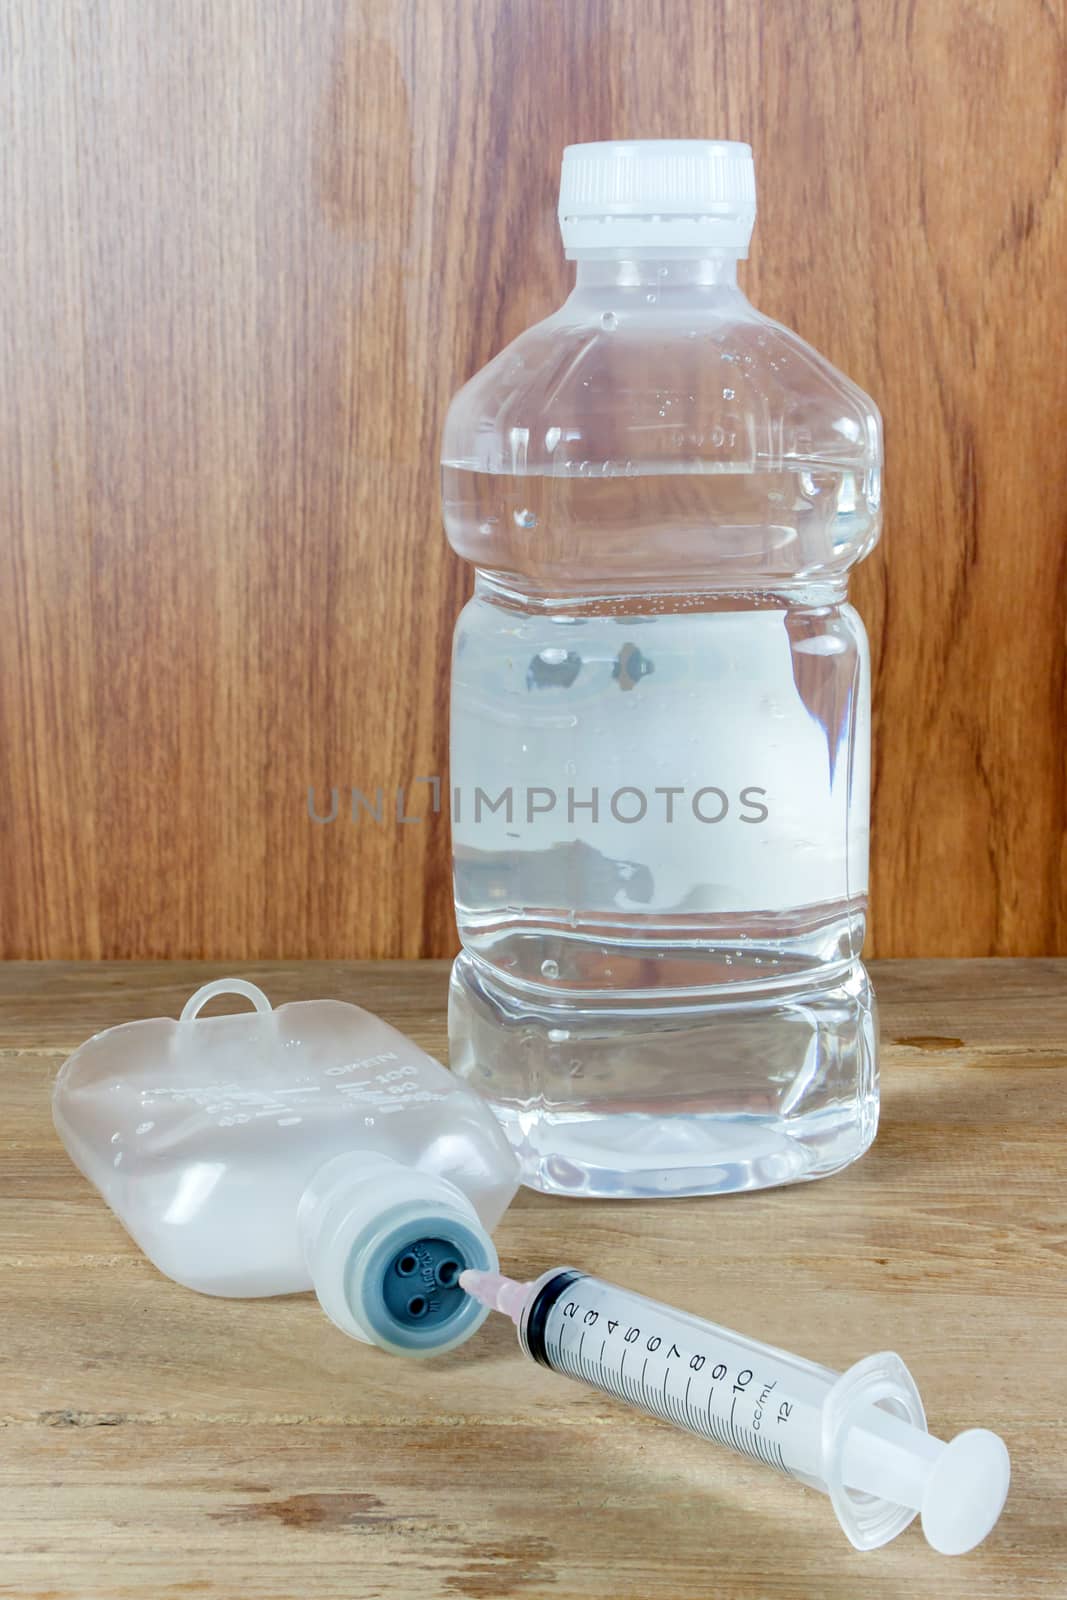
pixel 664 273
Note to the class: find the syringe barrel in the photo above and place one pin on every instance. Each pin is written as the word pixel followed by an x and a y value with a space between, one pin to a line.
pixel 761 1402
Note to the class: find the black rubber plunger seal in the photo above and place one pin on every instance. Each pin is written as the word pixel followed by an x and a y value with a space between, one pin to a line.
pixel 537 1316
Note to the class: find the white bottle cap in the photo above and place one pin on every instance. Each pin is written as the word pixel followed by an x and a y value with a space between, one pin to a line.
pixel 648 194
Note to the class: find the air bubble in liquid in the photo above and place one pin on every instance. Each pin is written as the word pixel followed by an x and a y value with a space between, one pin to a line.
pixel 609 321
pixel 524 518
pixel 550 969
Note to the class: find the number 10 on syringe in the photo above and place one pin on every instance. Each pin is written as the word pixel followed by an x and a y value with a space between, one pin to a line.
pixel 859 1437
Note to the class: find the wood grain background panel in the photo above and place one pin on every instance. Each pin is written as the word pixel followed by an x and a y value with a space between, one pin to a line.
pixel 252 246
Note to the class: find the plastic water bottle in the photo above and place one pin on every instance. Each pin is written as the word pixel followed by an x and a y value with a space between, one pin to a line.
pixel 660 713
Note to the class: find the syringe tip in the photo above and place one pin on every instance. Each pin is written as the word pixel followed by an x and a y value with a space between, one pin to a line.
pixel 966 1491
pixel 492 1289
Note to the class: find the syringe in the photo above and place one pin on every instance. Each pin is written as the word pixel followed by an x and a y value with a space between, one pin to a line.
pixel 859 1436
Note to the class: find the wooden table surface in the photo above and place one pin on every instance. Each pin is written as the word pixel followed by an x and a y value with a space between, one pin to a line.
pixel 158 1445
